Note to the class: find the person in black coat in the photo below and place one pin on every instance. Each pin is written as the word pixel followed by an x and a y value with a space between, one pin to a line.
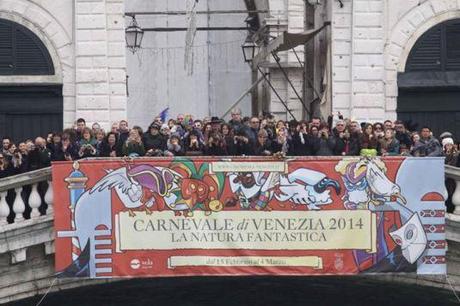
pixel 193 145
pixel 228 138
pixel 263 145
pixel 40 156
pixel 109 146
pixel 302 143
pixel 6 168
pixel 243 145
pixel 154 142
pixel 215 145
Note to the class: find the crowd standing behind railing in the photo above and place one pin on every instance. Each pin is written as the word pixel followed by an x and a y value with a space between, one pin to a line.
pixel 258 136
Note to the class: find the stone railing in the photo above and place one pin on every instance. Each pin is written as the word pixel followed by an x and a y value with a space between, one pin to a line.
pixel 26 196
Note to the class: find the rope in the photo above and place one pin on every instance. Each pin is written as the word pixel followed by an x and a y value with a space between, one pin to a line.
pixel 452 287
pixel 46 293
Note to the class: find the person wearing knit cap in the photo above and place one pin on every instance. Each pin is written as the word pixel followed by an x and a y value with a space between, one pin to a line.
pixel 450 151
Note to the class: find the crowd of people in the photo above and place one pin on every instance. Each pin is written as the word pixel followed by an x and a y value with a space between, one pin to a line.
pixel 240 136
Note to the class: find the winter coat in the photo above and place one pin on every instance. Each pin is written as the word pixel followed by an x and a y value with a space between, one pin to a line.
pixel 427 147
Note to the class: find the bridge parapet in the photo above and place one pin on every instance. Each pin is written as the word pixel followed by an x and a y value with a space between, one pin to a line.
pixel 27 238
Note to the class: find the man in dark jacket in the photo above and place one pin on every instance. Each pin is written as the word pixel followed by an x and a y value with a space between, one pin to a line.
pixel 40 156
pixel 243 145
pixel 236 121
pixel 427 145
pixel 346 143
pixel 402 135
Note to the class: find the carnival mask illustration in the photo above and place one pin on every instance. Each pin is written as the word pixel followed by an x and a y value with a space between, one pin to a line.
pixel 412 239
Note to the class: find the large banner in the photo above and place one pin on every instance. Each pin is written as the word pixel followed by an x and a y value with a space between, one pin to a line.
pixel 249 216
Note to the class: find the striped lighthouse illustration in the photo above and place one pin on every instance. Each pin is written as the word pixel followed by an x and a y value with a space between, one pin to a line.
pixel 76 183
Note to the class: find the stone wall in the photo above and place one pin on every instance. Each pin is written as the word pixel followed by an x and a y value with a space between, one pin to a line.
pixel 371 40
pixel 100 61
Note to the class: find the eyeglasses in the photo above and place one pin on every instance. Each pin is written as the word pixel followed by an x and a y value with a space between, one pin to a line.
pixel 378 128
pixel 255 122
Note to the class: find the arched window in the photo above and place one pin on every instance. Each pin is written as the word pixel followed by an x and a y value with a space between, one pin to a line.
pixel 22 52
pixel 430 86
pixel 437 50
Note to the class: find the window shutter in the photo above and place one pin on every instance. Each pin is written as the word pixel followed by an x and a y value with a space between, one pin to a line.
pixel 22 52
pixel 6 48
pixel 427 52
pixel 453 46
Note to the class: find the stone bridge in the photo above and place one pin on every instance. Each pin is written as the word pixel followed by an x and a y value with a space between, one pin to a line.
pixel 27 239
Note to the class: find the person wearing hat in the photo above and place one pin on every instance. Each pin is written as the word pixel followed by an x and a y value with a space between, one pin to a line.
pixel 154 141
pixel 450 151
pixel 215 124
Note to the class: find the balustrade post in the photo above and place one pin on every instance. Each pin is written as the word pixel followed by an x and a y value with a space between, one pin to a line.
pixel 18 205
pixel 35 201
pixel 49 198
pixel 456 198
pixel 4 209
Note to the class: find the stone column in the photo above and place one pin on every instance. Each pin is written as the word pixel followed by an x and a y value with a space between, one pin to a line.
pixel 100 61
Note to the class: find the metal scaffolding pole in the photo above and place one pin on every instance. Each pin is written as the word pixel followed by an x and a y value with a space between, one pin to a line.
pixel 276 93
pixel 277 60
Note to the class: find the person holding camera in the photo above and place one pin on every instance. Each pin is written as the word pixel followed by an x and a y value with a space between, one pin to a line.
pixel 87 144
pixel 242 145
pixel 133 146
pixel 193 145
pixel 346 143
pixel 325 143
pixel 302 141
pixel 215 145
pixel 174 146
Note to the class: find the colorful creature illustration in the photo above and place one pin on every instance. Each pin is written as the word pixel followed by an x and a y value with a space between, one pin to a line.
pixel 199 189
pixel 307 187
pixel 254 189
pixel 157 186
pixel 366 183
pixel 137 186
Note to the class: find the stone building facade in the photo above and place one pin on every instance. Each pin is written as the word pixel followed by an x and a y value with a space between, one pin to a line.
pixel 86 42
pixel 370 42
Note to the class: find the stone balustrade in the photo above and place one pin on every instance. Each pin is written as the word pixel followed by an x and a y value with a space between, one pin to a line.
pixel 454 174
pixel 26 196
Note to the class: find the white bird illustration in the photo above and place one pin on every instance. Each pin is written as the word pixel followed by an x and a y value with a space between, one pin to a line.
pixel 129 191
pixel 381 187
